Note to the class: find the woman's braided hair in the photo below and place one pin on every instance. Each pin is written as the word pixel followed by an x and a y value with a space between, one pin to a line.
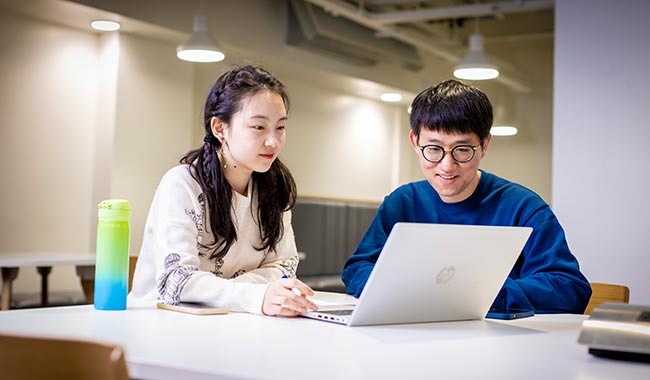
pixel 275 189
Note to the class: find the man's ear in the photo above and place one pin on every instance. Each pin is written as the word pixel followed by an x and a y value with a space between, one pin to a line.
pixel 414 140
pixel 485 144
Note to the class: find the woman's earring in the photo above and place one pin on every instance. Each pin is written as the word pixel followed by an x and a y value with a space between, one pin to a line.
pixel 222 157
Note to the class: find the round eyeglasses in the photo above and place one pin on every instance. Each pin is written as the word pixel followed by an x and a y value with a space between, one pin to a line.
pixel 460 153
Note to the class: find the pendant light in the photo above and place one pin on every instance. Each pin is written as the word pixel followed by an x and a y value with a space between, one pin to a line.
pixel 504 124
pixel 475 65
pixel 200 47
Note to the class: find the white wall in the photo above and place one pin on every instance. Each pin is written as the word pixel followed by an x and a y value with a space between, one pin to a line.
pixel 153 122
pixel 526 157
pixel 340 145
pixel 49 77
pixel 601 133
pixel 84 117
pixel 47 116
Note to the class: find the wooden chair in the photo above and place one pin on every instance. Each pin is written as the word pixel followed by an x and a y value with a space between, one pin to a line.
pixel 601 292
pixel 132 261
pixel 28 357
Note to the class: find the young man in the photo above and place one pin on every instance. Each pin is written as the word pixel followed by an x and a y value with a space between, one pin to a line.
pixel 450 133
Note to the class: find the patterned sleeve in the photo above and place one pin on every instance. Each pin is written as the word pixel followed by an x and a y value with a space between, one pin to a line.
pixel 173 279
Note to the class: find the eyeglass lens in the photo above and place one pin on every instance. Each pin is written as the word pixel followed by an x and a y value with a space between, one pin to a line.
pixel 461 153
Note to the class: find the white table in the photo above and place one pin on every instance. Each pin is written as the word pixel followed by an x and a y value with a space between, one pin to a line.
pixel 44 261
pixel 163 344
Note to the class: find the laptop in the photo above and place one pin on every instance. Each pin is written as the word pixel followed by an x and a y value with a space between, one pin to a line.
pixel 432 273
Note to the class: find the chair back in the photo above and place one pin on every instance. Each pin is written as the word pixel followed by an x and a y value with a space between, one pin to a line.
pixel 132 261
pixel 29 357
pixel 601 292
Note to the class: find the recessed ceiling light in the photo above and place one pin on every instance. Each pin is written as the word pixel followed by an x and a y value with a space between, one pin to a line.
pixel 105 25
pixel 391 97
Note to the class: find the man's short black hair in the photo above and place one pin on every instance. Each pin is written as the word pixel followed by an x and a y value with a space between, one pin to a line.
pixel 452 107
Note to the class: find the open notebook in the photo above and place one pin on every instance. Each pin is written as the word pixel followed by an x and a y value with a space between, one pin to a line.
pixel 431 273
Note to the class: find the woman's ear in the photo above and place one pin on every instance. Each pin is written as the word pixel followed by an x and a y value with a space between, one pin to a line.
pixel 217 127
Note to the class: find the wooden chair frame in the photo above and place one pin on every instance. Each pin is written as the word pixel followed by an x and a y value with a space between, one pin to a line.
pixel 31 357
pixel 603 292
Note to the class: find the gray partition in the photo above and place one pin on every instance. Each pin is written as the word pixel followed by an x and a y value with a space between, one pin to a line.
pixel 327 233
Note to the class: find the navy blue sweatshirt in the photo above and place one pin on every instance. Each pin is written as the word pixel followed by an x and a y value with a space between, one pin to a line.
pixel 546 276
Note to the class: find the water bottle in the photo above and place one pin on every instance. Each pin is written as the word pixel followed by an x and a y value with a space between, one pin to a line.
pixel 112 261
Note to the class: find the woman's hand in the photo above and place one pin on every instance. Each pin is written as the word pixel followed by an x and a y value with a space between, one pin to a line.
pixel 287 297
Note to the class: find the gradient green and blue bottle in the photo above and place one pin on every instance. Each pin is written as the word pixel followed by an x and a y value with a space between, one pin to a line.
pixel 112 263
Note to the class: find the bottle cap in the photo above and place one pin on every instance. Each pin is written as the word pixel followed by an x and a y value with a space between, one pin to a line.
pixel 116 210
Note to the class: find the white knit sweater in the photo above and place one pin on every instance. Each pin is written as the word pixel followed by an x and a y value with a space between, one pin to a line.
pixel 174 263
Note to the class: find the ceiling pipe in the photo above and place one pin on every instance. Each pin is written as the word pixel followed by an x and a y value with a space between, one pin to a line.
pixel 349 11
pixel 462 11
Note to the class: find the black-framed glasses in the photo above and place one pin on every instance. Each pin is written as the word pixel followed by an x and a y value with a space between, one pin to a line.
pixel 460 153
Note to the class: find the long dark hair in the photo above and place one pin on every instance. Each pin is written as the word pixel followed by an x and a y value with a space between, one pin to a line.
pixel 275 189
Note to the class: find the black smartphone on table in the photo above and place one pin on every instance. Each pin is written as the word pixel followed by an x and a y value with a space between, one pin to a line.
pixel 509 313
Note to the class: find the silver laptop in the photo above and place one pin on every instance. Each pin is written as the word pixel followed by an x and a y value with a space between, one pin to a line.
pixel 432 273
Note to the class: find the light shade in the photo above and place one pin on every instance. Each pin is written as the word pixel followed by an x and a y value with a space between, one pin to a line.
pixel 475 65
pixel 503 130
pixel 200 47
pixel 504 124
pixel 390 97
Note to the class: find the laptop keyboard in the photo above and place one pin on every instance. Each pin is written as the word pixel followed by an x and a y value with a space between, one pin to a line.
pixel 337 312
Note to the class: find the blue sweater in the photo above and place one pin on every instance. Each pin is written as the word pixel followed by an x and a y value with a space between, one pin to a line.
pixel 545 278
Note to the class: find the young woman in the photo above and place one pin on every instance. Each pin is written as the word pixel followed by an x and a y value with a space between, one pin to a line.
pixel 219 228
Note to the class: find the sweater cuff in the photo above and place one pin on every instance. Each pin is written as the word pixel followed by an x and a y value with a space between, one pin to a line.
pixel 206 288
pixel 252 297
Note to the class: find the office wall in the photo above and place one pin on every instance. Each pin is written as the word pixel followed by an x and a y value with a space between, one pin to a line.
pixel 84 117
pixel 340 145
pixel 153 122
pixel 601 130
pixel 47 116
pixel 47 110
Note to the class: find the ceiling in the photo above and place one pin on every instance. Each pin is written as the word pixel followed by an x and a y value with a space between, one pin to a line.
pixel 441 28
pixel 405 44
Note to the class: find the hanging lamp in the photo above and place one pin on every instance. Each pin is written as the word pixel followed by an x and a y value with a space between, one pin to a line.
pixel 504 124
pixel 200 46
pixel 476 65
